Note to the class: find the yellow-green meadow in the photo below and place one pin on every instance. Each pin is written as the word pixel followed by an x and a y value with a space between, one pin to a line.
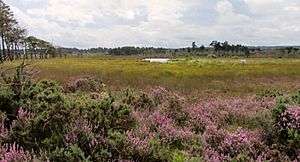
pixel 189 76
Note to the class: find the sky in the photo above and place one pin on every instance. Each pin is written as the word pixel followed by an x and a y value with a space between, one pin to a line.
pixel 159 23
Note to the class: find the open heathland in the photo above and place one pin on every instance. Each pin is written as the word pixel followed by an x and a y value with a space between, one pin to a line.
pixel 187 75
pixel 85 120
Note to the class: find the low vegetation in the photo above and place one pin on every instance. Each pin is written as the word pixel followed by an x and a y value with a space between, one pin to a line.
pixel 85 121
pixel 193 76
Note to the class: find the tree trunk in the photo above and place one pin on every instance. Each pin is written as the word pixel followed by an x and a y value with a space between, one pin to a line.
pixel 19 52
pixel 8 51
pixel 41 54
pixel 16 52
pixel 25 51
pixel 31 53
pixel 3 47
pixel 13 57
pixel 1 58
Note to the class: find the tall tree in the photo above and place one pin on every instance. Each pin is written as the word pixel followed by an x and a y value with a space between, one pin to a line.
pixel 14 40
pixel 216 45
pixel 194 46
pixel 7 23
pixel 4 18
pixel 18 36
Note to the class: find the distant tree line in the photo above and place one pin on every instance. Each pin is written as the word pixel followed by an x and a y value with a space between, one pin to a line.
pixel 120 51
pixel 221 49
pixel 137 50
pixel 218 48
pixel 290 50
pixel 225 48
pixel 15 44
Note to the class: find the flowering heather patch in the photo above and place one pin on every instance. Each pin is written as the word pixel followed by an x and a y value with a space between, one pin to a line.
pixel 223 145
pixel 159 93
pixel 22 112
pixel 240 142
pixel 82 132
pixel 290 119
pixel 166 128
pixel 158 126
pixel 140 139
pixel 47 123
pixel 13 152
pixel 213 119
pixel 23 116
pixel 164 99
pixel 225 112
pixel 214 135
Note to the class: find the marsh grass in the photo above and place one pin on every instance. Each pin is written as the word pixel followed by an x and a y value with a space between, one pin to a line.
pixel 189 76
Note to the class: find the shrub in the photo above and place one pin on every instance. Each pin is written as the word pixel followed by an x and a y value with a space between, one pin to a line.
pixel 86 84
pixel 287 122
pixel 179 157
pixel 72 153
pixel 269 93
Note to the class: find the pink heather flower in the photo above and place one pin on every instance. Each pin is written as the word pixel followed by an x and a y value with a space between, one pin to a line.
pixel 159 92
pixel 236 143
pixel 155 126
pixel 290 118
pixel 121 160
pixel 13 152
pixel 140 138
pixel 224 145
pixel 22 112
pixel 218 110
pixel 79 128
pixel 210 154
pixel 23 117
pixel 268 102
pixel 294 113
pixel 213 136
pixel 166 127
pixel 244 108
pixel 138 116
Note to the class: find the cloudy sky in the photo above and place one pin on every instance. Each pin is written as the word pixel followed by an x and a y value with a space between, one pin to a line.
pixel 160 23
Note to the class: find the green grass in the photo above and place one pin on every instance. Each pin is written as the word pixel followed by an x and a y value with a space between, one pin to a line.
pixel 195 76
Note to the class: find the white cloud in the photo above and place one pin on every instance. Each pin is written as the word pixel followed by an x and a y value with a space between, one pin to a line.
pixel 227 15
pixel 110 23
pixel 224 7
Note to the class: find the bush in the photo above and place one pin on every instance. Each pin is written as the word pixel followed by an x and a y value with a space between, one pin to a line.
pixel 287 134
pixel 87 84
pixel 73 154
pixel 269 93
